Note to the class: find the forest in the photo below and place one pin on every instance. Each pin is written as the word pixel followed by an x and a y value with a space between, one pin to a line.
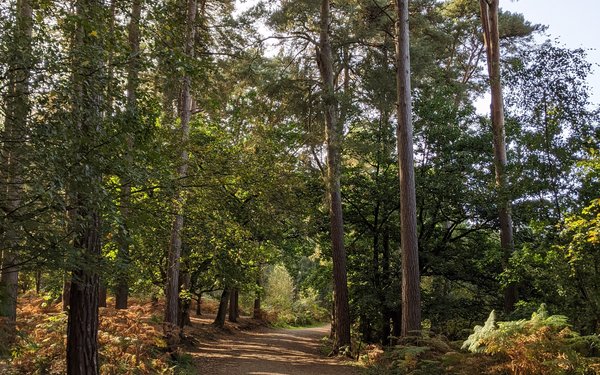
pixel 175 173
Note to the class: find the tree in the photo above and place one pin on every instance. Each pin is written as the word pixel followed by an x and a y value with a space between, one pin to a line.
pixel 333 140
pixel 122 288
pixel 15 134
pixel 411 292
pixel 185 107
pixel 85 188
pixel 489 20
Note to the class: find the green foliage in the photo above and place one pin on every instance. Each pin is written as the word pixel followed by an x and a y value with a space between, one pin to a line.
pixel 286 305
pixel 543 344
pixel 476 341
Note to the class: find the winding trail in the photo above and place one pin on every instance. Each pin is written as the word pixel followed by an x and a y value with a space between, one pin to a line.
pixel 266 351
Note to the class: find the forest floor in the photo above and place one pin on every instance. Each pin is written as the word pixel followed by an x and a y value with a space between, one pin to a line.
pixel 251 348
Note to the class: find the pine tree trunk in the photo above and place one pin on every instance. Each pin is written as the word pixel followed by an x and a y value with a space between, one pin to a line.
pixel 122 288
pixel 411 292
pixel 489 19
pixel 82 325
pixel 222 312
pixel 333 135
pixel 172 287
pixel 12 152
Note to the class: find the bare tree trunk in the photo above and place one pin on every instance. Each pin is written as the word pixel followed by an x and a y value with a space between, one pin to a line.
pixel 199 305
pixel 172 288
pixel 102 295
pixel 411 292
pixel 38 282
pixel 333 139
pixel 489 20
pixel 222 312
pixel 82 326
pixel 256 311
pixel 122 288
pixel 12 152
pixel 233 307
pixel 66 291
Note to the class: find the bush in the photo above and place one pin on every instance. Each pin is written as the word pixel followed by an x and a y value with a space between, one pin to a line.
pixel 286 307
pixel 544 344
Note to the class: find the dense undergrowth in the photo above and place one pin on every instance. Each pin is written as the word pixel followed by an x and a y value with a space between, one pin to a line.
pixel 542 345
pixel 130 341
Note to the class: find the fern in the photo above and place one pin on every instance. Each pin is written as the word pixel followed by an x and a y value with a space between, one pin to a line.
pixel 543 344
pixel 476 341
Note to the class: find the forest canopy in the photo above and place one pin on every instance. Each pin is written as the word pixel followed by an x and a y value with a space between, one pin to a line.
pixel 301 161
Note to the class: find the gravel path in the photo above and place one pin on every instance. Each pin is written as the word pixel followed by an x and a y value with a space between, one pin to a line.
pixel 265 351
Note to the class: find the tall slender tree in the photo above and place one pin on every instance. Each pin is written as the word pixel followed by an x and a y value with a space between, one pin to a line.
pixel 185 106
pixel 333 140
pixel 122 289
pixel 411 292
pixel 12 152
pixel 85 187
pixel 489 20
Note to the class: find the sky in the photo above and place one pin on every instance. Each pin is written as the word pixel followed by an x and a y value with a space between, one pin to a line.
pixel 575 23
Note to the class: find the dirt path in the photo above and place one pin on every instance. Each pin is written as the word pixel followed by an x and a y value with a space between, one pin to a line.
pixel 265 351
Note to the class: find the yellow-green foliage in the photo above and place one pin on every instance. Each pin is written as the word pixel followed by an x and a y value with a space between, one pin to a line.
pixel 129 342
pixel 287 307
pixel 540 345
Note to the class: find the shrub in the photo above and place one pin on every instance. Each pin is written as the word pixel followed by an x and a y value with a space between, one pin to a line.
pixel 543 344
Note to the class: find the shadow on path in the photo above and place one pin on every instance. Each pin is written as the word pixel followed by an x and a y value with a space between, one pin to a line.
pixel 265 351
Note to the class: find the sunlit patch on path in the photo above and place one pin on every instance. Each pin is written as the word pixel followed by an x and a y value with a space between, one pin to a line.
pixel 267 351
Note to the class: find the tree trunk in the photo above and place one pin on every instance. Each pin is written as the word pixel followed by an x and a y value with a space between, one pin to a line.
pixel 102 294
pixel 411 291
pixel 489 20
pixel 233 306
pixel 385 312
pixel 122 288
pixel 12 151
pixel 199 305
pixel 222 312
pixel 82 325
pixel 38 282
pixel 172 287
pixel 333 139
pixel 66 292
pixel 184 303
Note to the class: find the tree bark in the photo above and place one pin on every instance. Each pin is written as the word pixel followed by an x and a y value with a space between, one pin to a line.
pixel 12 152
pixel 66 291
pixel 172 287
pixel 333 139
pixel 38 282
pixel 233 306
pixel 489 20
pixel 222 312
pixel 199 305
pixel 82 325
pixel 411 291
pixel 102 295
